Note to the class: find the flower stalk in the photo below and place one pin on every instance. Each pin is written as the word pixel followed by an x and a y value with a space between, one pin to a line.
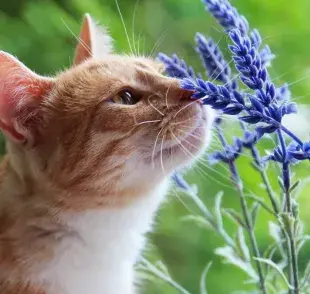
pixel 245 211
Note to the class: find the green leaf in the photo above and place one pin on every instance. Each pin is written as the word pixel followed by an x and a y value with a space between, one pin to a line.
pixel 275 232
pixel 231 257
pixel 199 220
pixel 256 167
pixel 306 277
pixel 235 216
pixel 242 246
pixel 149 267
pixel 203 286
pixel 280 181
pixel 262 204
pixel 287 221
pixel 295 208
pixel 294 186
pixel 277 268
pixel 217 209
pixel 254 212
pixel 160 265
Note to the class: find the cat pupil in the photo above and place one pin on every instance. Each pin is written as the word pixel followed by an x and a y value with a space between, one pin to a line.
pixel 125 97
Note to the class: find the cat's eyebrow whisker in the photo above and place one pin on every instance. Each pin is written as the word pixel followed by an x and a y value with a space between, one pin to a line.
pixel 148 121
pixel 139 40
pixel 133 27
pixel 124 26
pixel 225 67
pixel 148 99
pixel 158 43
pixel 85 46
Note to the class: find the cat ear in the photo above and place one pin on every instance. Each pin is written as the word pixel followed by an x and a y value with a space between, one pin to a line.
pixel 21 92
pixel 94 41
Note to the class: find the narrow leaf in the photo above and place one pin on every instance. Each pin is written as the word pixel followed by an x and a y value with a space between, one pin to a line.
pixel 235 216
pixel 242 246
pixel 203 286
pixel 294 186
pixel 217 209
pixel 231 257
pixel 277 268
pixel 306 278
pixel 254 212
pixel 199 220
pixel 262 204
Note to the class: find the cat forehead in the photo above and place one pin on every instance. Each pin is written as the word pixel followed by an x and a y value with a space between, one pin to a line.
pixel 116 71
pixel 115 63
pixel 96 80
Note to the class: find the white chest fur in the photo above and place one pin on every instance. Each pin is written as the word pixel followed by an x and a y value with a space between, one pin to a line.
pixel 105 244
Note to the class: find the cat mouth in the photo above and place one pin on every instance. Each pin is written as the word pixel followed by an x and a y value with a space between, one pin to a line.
pixel 184 147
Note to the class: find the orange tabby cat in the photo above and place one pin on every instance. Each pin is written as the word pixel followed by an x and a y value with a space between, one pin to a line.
pixel 89 155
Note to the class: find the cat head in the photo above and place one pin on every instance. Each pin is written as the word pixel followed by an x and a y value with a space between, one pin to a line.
pixel 112 125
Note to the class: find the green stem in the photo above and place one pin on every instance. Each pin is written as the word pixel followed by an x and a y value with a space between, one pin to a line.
pixel 252 237
pixel 286 177
pixel 292 245
pixel 229 241
pixel 235 177
pixel 257 159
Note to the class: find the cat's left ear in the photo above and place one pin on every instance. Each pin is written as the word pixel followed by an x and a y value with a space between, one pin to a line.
pixel 21 94
pixel 94 41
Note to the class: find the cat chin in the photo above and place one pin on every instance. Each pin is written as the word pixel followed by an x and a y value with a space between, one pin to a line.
pixel 189 148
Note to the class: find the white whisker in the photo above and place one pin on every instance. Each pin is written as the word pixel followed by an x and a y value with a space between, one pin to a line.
pixel 148 99
pixel 148 121
pixel 190 134
pixel 179 198
pixel 161 153
pixel 182 146
pixel 158 42
pixel 133 27
pixel 124 25
pixel 183 121
pixel 167 97
pixel 154 148
pixel 183 108
pixel 85 46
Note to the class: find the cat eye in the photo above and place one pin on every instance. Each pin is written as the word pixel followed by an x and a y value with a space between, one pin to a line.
pixel 125 97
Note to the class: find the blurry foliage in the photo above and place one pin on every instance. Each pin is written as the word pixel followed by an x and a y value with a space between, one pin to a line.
pixel 40 34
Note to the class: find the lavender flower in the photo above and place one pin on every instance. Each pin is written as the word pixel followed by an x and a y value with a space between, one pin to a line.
pixel 212 58
pixel 227 16
pixel 260 110
pixel 176 67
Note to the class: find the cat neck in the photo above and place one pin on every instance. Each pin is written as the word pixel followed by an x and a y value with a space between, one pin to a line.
pixel 99 256
pixel 94 250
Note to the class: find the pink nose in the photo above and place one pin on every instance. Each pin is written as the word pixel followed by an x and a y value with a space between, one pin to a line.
pixel 185 94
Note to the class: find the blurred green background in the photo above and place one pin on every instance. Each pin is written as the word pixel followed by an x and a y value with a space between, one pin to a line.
pixel 40 34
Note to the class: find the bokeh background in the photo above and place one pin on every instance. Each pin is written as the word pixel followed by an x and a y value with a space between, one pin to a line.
pixel 41 34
